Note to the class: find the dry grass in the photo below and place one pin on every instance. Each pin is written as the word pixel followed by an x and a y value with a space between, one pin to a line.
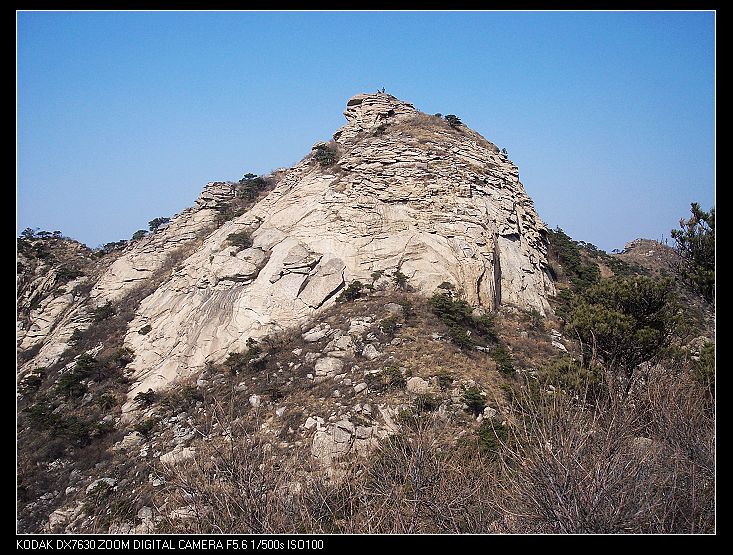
pixel 645 466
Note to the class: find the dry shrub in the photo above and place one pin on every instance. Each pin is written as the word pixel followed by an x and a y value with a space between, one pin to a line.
pixel 567 466
pixel 641 466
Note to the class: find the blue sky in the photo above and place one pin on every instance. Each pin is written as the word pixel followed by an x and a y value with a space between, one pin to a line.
pixel 125 116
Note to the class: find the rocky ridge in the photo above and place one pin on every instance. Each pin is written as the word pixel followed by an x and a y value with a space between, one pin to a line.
pixel 409 195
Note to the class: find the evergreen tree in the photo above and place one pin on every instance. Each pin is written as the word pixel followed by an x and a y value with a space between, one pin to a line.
pixel 695 245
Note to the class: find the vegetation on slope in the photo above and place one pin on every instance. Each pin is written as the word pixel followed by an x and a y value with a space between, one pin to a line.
pixel 512 435
pixel 695 245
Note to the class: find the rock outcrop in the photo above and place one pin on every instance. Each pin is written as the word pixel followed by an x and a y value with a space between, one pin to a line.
pixel 408 196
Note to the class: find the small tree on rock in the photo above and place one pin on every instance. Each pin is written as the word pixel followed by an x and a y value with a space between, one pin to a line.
pixel 453 120
pixel 157 222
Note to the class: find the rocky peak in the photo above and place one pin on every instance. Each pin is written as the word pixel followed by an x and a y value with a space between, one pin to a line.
pixel 367 111
pixel 399 196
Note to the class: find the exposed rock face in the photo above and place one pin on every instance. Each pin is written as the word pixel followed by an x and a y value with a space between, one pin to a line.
pixel 52 274
pixel 47 317
pixel 407 194
pixel 138 264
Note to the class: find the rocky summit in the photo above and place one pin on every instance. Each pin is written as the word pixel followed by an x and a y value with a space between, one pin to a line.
pixel 396 194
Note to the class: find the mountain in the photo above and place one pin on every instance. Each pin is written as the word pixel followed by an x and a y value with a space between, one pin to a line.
pixel 383 338
pixel 397 192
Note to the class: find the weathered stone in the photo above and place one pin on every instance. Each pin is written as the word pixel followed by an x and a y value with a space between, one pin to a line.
pixel 255 400
pixel 559 346
pixel 370 352
pixel 343 431
pixel 363 432
pixel 130 441
pixel 358 388
pixel 100 482
pixel 324 283
pixel 394 309
pixel 489 412
pixel 177 455
pixel 317 333
pixel 328 366
pixel 417 385
pixel 357 326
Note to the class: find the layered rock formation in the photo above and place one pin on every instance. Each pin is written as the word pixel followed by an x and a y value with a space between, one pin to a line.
pixel 408 195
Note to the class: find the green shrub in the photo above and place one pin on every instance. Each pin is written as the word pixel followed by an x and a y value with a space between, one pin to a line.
pixel 460 337
pixel 114 246
pixel 425 402
pixel 145 427
pixel 70 384
pixel 237 362
pixel 180 399
pixel 393 377
pixel 624 322
pixel 103 428
pixel 75 429
pixel 453 120
pixel 571 375
pixel 157 222
pixel 103 312
pixel 536 320
pixel 325 154
pixel 228 211
pixel 389 325
pixel 458 316
pixel 250 186
pixel 492 434
pixel 146 398
pixel 139 234
pixel 40 413
pixel 76 336
pixel 580 274
pixel 32 382
pixel 400 280
pixel 353 291
pixel 408 311
pixel 106 401
pixel 445 379
pixel 65 274
pixel 503 360
pixel 474 400
pixel 240 239
pixel 389 378
pixel 695 245
pixel 146 329
pixel 121 357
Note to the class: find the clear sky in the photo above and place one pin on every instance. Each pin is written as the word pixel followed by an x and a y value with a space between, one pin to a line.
pixel 125 116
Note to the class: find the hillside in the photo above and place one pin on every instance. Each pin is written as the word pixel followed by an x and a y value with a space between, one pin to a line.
pixel 379 339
